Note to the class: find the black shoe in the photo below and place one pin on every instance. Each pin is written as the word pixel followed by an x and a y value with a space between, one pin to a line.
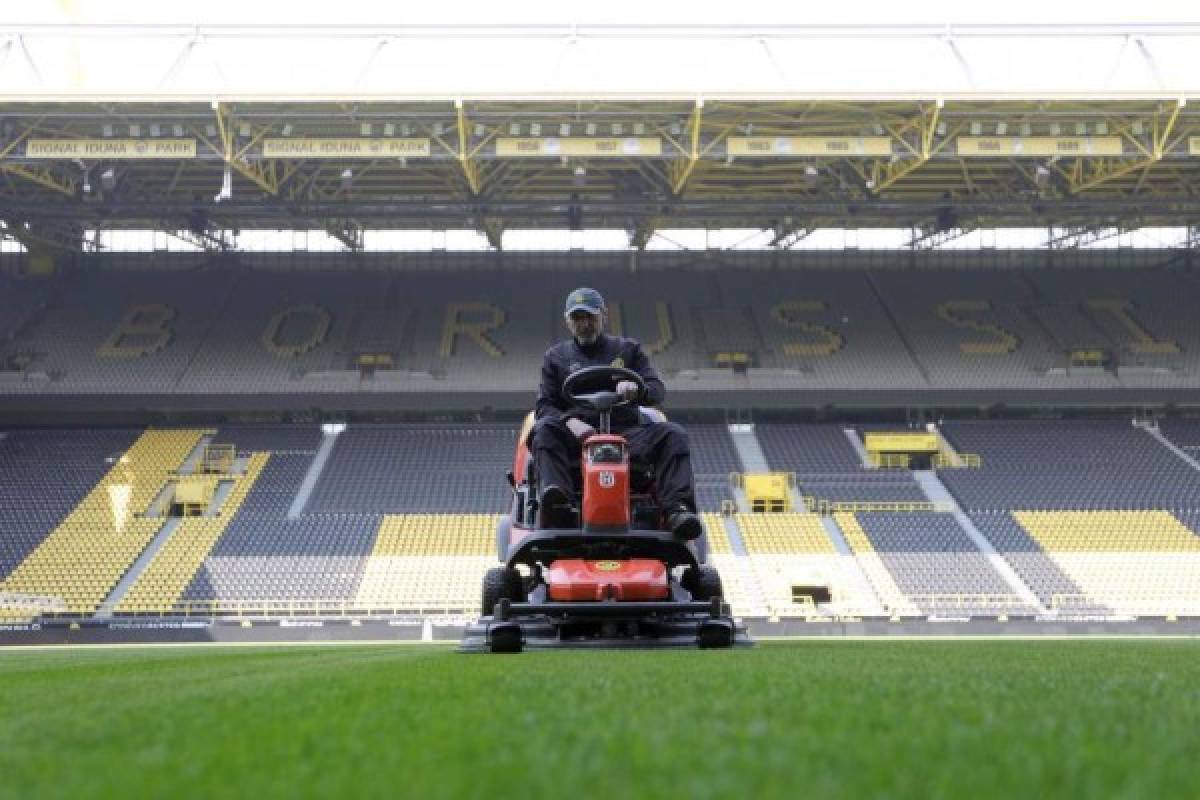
pixel 556 508
pixel 684 525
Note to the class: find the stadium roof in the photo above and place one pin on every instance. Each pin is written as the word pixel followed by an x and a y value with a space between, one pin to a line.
pixel 135 115
pixel 779 57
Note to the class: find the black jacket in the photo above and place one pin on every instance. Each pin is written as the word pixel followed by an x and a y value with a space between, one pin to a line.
pixel 568 356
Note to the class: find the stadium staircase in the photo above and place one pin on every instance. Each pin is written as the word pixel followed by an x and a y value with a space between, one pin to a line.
pixel 856 442
pixel 727 552
pixel 117 595
pixel 1153 431
pixel 157 584
pixel 893 600
pixel 853 571
pixel 940 496
pixel 300 502
pixel 750 454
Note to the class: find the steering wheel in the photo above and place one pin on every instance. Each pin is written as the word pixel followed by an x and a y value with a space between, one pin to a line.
pixel 601 400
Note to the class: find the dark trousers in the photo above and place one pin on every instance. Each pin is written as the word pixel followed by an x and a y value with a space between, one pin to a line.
pixel 663 444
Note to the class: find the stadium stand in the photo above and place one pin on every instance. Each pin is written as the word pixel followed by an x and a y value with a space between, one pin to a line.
pixel 790 551
pixel 226 332
pixel 713 459
pixel 935 565
pixel 1067 464
pixel 828 467
pixel 262 560
pixel 276 439
pixel 736 577
pixel 428 563
pixel 1134 562
pixel 1184 432
pixel 170 571
pixel 876 571
pixel 88 552
pixel 1053 587
pixel 375 470
pixel 1097 517
pixel 277 334
pixel 44 474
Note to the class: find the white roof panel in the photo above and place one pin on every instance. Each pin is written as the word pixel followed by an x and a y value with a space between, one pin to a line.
pixel 138 50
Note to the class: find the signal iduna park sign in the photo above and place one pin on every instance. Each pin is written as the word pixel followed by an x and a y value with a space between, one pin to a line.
pixel 110 148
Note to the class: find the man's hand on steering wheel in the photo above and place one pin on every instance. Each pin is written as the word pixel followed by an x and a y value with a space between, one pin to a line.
pixel 628 390
pixel 627 387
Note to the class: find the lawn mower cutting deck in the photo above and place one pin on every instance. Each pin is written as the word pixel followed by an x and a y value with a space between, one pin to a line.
pixel 613 578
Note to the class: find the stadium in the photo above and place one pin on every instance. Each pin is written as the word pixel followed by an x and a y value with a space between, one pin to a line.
pixel 275 286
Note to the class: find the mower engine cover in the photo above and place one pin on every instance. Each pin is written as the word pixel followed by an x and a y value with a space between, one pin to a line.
pixel 636 579
pixel 605 483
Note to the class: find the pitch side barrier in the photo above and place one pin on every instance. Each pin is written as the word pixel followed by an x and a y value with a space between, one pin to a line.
pixel 447 632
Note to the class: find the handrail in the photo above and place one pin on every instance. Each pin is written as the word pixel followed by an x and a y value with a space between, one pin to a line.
pixel 967 600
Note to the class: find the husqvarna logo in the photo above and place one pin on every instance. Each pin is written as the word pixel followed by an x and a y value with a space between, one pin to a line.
pixel 607 479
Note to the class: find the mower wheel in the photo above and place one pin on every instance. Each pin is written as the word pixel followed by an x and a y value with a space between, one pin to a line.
pixel 501 583
pixel 704 583
pixel 516 586
pixel 506 637
pixel 714 635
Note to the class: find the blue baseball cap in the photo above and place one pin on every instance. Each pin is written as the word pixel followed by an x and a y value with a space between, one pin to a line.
pixel 584 299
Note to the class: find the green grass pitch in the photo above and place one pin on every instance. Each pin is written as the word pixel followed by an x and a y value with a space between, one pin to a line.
pixel 854 719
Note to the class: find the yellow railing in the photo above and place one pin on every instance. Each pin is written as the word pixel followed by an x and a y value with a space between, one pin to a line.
pixel 1063 602
pixel 1007 602
pixel 824 507
pixel 295 608
pixel 956 461
pixel 801 606
pixel 890 460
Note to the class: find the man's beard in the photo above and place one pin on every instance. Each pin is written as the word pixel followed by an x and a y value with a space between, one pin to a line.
pixel 588 339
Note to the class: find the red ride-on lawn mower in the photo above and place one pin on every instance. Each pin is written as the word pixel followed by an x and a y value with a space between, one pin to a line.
pixel 613 578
